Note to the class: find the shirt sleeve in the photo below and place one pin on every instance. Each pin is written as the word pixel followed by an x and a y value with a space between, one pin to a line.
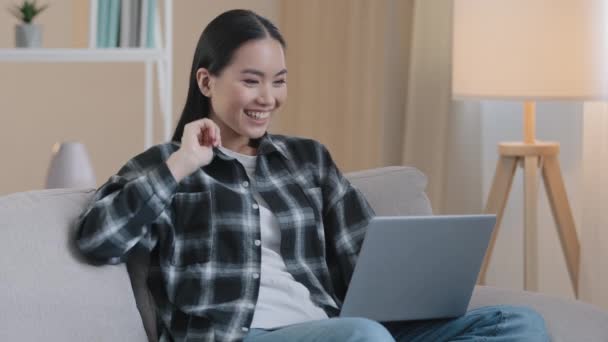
pixel 122 211
pixel 345 217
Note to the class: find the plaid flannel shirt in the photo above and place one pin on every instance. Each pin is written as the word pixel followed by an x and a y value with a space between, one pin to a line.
pixel 202 234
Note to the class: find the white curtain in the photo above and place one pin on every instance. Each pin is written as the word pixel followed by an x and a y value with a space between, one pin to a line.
pixel 441 137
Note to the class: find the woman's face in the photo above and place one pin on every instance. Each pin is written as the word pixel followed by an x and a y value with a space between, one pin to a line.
pixel 247 92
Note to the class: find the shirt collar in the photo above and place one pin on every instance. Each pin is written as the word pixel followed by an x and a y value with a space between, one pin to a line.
pixel 266 145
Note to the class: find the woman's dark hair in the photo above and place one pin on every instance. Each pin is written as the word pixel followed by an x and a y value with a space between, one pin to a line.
pixel 214 51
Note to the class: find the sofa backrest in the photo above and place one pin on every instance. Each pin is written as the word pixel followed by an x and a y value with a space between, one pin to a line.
pixel 47 293
pixel 393 190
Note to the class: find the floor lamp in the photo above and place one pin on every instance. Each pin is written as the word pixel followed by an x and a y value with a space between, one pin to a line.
pixel 528 51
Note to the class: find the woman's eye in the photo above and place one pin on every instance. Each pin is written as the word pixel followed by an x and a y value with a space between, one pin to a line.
pixel 251 82
pixel 279 82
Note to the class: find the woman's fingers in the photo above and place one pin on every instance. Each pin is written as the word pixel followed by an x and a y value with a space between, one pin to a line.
pixel 218 140
pixel 207 132
pixel 211 132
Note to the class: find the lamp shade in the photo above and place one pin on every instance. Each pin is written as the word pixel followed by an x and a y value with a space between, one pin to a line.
pixel 70 167
pixel 530 49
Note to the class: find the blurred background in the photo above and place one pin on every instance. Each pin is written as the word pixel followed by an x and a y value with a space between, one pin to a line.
pixel 370 79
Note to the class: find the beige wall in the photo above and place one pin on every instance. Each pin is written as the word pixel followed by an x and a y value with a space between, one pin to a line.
pixel 347 62
pixel 98 104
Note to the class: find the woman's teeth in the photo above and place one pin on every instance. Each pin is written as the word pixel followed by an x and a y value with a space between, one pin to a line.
pixel 257 115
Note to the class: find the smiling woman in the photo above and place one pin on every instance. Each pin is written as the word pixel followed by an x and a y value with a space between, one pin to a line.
pixel 232 77
pixel 251 236
pixel 246 93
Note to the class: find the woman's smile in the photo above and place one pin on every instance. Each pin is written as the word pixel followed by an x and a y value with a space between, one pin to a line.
pixel 257 115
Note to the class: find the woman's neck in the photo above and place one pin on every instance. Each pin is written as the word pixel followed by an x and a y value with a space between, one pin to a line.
pixel 232 140
pixel 240 146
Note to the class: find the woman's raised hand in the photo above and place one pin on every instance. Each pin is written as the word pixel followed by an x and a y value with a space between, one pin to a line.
pixel 196 151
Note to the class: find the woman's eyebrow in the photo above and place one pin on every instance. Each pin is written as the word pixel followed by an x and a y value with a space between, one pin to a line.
pixel 261 74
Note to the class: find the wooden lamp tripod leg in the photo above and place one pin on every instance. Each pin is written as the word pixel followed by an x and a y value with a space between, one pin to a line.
pixel 560 207
pixel 497 200
pixel 531 222
pixel 563 217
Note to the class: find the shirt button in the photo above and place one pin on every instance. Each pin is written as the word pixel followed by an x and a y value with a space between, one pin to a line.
pixel 255 275
pixel 245 329
pixel 257 242
pixel 255 206
pixel 245 184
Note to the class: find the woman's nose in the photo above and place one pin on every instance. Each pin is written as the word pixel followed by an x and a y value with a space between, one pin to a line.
pixel 265 98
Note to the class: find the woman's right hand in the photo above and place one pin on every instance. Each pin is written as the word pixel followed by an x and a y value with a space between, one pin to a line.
pixel 196 150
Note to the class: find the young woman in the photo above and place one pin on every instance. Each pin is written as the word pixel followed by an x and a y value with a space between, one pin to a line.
pixel 251 235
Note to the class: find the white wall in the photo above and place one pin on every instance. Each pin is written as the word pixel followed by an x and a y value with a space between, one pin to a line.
pixel 594 239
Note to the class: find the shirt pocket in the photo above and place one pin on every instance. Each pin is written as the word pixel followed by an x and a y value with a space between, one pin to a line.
pixel 192 222
pixel 315 196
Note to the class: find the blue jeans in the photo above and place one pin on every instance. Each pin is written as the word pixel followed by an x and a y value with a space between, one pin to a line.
pixel 493 323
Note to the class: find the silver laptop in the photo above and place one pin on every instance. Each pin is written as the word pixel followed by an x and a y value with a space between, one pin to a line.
pixel 418 267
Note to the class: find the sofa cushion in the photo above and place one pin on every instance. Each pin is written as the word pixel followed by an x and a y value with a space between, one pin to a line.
pixel 393 190
pixel 47 293
pixel 566 320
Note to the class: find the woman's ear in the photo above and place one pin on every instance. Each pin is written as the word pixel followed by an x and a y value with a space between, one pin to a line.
pixel 203 79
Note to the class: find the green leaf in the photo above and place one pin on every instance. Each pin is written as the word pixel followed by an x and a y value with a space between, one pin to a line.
pixel 27 11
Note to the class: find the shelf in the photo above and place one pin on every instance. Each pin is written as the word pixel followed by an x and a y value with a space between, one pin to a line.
pixel 160 59
pixel 80 55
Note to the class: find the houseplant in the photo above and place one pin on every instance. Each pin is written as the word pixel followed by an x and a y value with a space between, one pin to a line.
pixel 27 34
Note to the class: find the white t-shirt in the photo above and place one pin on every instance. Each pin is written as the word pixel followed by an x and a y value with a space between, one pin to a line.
pixel 282 300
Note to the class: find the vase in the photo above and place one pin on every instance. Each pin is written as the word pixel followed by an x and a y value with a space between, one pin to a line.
pixel 28 36
pixel 70 167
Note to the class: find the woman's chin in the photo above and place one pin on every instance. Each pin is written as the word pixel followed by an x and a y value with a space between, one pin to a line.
pixel 256 132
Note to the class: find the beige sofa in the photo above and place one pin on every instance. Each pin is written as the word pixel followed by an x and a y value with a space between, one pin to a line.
pixel 48 294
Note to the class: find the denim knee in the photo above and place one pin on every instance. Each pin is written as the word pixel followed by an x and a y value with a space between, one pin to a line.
pixel 362 329
pixel 524 321
pixel 525 314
